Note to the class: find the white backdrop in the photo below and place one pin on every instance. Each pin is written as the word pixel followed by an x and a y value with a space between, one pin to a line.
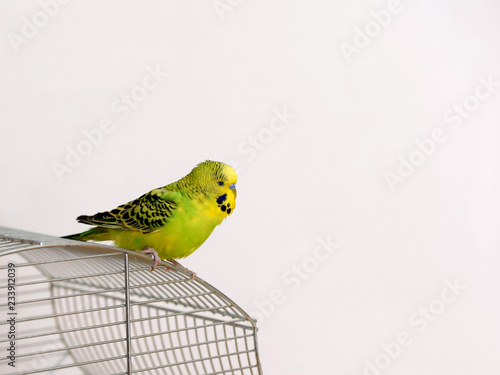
pixel 365 135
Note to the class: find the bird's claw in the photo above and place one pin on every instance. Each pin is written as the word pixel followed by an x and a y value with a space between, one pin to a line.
pixel 156 257
pixel 176 263
pixel 157 261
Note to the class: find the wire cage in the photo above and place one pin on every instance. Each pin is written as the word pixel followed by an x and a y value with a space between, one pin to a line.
pixel 68 307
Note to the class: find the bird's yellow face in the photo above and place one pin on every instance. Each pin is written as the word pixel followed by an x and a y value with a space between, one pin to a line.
pixel 219 183
pixel 226 195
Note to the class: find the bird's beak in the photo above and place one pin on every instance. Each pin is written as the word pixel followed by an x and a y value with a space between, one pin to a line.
pixel 233 188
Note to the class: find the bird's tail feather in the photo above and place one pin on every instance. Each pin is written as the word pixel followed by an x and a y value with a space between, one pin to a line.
pixel 94 234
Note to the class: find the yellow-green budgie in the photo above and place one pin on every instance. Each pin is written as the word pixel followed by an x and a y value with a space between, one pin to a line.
pixel 172 221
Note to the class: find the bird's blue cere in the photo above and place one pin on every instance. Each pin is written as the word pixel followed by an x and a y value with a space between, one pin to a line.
pixel 232 186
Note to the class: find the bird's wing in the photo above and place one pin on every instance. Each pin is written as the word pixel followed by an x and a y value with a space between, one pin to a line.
pixel 146 214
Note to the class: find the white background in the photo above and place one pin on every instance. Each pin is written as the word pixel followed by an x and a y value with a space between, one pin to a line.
pixel 322 176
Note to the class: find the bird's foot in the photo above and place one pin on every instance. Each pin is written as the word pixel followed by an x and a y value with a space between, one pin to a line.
pixel 156 257
pixel 173 261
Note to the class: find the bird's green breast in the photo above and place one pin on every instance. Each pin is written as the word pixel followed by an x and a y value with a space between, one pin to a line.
pixel 187 229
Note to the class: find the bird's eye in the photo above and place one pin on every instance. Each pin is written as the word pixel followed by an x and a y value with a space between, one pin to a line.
pixel 220 183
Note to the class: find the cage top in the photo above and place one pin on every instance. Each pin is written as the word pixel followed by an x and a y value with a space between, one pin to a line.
pixel 48 253
pixel 87 295
pixel 37 247
pixel 14 240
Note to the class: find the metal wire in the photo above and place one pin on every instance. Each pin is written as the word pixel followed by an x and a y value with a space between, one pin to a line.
pixel 92 309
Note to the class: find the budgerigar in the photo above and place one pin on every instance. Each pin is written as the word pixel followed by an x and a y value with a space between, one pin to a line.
pixel 172 221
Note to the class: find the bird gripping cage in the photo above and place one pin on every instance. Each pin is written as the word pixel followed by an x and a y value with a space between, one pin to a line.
pixel 69 307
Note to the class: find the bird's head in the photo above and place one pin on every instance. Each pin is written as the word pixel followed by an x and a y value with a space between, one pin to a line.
pixel 218 181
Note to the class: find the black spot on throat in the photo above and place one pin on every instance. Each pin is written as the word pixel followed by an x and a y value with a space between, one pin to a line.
pixel 221 199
